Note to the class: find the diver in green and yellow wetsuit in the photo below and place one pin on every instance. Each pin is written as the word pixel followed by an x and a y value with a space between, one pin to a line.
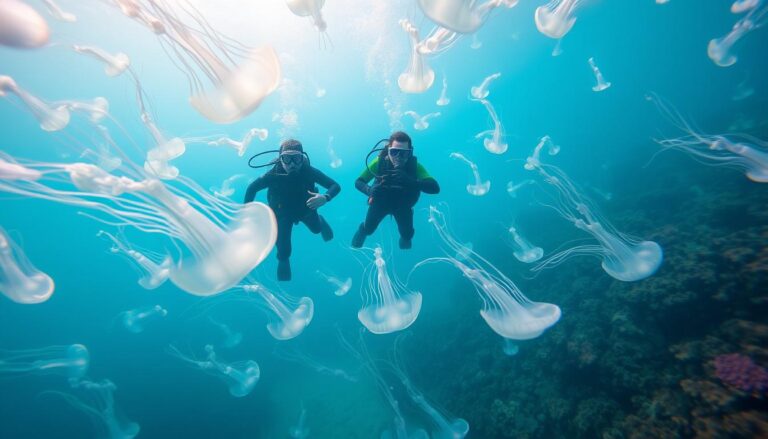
pixel 398 180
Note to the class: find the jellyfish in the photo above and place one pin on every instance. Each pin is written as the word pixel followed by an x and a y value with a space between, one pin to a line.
pixel 737 151
pixel 104 158
pixel 465 251
pixel 533 162
pixel 476 43
pixel 289 323
pixel 479 188
pixel 462 16
pixel 153 274
pixel 231 338
pixel 558 49
pixel 98 402
pixel 218 242
pixel 57 13
pixel 494 144
pixel 300 431
pixel 297 356
pixel 510 348
pixel 242 145
pixel 741 6
pixel 481 91
pixel 421 123
pixel 342 286
pixel 606 196
pixel 418 77
pixel 389 307
pixel 96 110
pixel 20 281
pixel 524 251
pixel 114 64
pixel 444 99
pixel 242 77
pixel 602 84
pixel 135 320
pixel 661 2
pixel 336 161
pixel 437 41
pixel 70 361
pixel 623 257
pixel 226 189
pixel 21 27
pixel 51 117
pixel 164 150
pixel 556 18
pixel 312 9
pixel 240 376
pixel 720 49
pixel 743 91
pixel 513 188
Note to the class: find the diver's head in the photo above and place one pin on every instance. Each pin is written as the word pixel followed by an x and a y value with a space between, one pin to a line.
pixel 291 155
pixel 399 148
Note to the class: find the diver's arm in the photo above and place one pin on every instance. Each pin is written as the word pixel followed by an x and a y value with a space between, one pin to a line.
pixel 426 183
pixel 363 186
pixel 255 186
pixel 332 188
pixel 366 176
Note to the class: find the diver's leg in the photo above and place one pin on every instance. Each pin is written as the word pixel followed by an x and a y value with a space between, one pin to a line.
pixel 376 213
pixel 404 219
pixel 317 224
pixel 284 230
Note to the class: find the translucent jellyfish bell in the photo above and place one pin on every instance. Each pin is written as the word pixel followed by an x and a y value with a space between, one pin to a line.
pixel 506 310
pixel 602 84
pixel 444 100
pixel 114 65
pixel 462 16
pixel 479 188
pixel 389 306
pixel 342 286
pixel 136 320
pixel 240 376
pixel 71 361
pixel 20 281
pixel 438 41
pixel 481 91
pixel 96 110
pixel 21 26
pixel 418 76
pixel 312 9
pixel 51 117
pixel 494 144
pixel 720 49
pixel 741 6
pixel 231 338
pixel 534 161
pixel 421 123
pixel 289 323
pixel 556 18
pixel 153 273
pixel 242 146
pixel 524 251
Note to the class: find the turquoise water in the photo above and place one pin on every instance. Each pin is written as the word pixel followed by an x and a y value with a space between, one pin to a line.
pixel 625 359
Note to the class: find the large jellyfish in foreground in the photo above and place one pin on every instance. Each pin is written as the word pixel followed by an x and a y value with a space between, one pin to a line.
pixel 481 91
pixel 70 361
pixel 219 242
pixel 297 356
pixel 242 145
pixel 556 18
pixel 21 26
pixel 114 65
pixel 290 322
pixel 720 49
pixel 342 286
pixel 231 338
pixel 505 308
pixel 479 187
pixel 389 307
pixel 154 268
pixel 135 320
pixel 20 281
pixel 418 76
pixel 524 251
pixel 624 258
pixel 241 76
pixel 98 403
pixel 743 152
pixel 601 84
pixel 494 144
pixel 240 376
pixel 421 123
pixel 462 16
pixel 51 117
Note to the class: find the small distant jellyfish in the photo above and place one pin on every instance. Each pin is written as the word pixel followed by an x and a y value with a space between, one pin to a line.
pixel 165 150
pixel 21 26
pixel 514 188
pixel 743 91
pixel 105 159
pixel 240 376
pixel 96 110
pixel 342 286
pixel 602 84
pixel 289 323
pixel 59 14
pixel 524 251
pixel 51 117
pixel 494 144
pixel 421 123
pixel 556 18
pixel 114 65
pixel 226 189
pixel 135 320
pixel 623 257
pixel 462 16
pixel 418 76
pixel 741 6
pixel 438 41
pixel 479 187
pixel 70 361
pixel 661 2
pixel 154 269
pixel 320 92
pixel 444 100
pixel 242 145
pixel 20 281
pixel 231 338
pixel 300 430
pixel 476 43
pixel 745 153
pixel 534 161
pixel 558 49
pixel 481 91
pixel 336 161
pixel 98 402
pixel 389 306
pixel 312 9
pixel 510 348
pixel 720 50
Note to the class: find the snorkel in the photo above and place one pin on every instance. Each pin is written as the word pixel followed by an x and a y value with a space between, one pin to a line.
pixel 291 158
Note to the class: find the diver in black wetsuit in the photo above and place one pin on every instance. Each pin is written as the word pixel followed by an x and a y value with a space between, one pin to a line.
pixel 293 197
pixel 398 181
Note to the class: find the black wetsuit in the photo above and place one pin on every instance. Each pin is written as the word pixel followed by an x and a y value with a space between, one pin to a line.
pixel 287 195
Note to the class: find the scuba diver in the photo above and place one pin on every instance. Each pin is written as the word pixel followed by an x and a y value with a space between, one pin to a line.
pixel 398 181
pixel 293 197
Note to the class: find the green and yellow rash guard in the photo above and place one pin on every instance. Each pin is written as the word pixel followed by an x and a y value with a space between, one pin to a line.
pixel 373 168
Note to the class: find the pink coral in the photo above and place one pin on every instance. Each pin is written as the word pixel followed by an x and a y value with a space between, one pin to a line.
pixel 742 373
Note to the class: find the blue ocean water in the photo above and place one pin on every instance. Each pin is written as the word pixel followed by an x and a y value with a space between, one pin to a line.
pixel 624 355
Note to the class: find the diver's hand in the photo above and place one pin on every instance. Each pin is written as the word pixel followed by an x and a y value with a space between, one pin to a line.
pixel 375 189
pixel 403 179
pixel 316 200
